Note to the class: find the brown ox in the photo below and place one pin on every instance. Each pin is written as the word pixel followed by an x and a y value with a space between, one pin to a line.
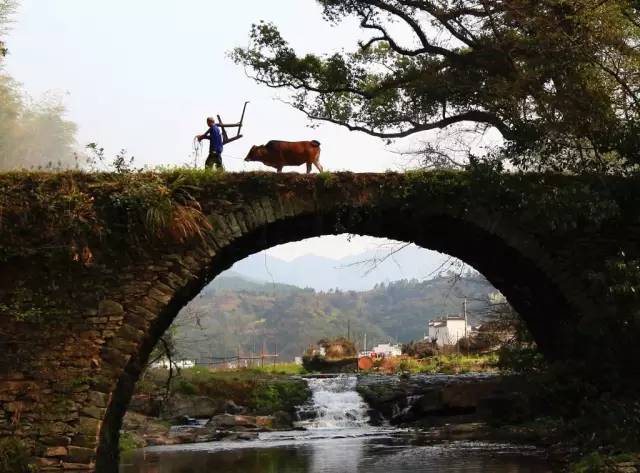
pixel 278 154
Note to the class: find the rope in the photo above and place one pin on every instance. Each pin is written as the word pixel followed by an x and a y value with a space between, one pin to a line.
pixel 197 150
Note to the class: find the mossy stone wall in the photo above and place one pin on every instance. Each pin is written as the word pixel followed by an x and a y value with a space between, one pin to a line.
pixel 96 267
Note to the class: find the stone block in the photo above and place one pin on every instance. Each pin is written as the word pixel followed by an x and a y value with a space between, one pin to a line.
pixel 47 464
pixel 268 209
pixel 98 399
pixel 88 426
pixel 56 441
pixel 467 395
pixel 54 429
pixel 94 412
pixel 264 422
pixel 241 222
pixel 80 455
pixel 159 296
pixel 107 308
pixel 56 452
pixel 174 281
pixel 78 467
pixel 162 287
pixel 144 312
pixel 86 441
pixel 127 332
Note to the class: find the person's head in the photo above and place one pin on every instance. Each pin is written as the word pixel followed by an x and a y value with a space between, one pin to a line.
pixel 210 121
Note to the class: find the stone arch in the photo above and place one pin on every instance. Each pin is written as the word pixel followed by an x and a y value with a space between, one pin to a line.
pixel 546 241
pixel 509 258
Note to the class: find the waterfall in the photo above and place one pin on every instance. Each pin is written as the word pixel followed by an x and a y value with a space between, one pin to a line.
pixel 335 404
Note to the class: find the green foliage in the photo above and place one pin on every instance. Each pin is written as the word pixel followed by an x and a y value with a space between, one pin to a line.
pixel 14 457
pixel 263 391
pixel 555 78
pixel 245 313
pixel 68 213
pixel 34 134
pixel 281 369
pixel 521 359
pixel 281 395
pixel 130 442
pixel 597 462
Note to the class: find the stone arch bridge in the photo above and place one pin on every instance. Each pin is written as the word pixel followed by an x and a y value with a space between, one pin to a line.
pixel 96 267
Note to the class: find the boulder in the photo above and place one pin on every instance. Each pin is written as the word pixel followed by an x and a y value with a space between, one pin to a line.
pixel 282 420
pixel 199 407
pixel 229 421
pixel 265 422
pixel 503 408
pixel 467 395
pixel 231 407
pixel 247 436
pixel 430 402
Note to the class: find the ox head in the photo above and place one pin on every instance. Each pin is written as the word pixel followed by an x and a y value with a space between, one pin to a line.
pixel 256 153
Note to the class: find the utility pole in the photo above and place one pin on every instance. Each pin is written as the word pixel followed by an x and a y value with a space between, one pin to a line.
pixel 466 324
pixel 364 347
pixel 275 355
pixel 349 329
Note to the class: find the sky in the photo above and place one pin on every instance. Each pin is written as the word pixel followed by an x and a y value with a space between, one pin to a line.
pixel 142 75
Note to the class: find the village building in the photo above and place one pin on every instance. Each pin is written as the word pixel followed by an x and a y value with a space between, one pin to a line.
pixel 447 331
pixel 386 350
pixel 182 364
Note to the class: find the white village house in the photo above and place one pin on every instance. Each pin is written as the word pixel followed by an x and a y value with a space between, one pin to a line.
pixel 182 364
pixel 387 350
pixel 448 330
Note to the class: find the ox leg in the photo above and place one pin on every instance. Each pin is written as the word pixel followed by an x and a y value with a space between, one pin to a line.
pixel 318 165
pixel 279 169
pixel 308 168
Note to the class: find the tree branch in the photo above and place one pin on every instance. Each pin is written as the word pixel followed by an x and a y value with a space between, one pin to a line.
pixel 413 24
pixel 472 115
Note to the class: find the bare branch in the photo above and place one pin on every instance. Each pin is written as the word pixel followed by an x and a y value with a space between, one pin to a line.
pixel 472 115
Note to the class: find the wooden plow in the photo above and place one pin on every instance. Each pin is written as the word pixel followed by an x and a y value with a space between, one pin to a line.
pixel 223 126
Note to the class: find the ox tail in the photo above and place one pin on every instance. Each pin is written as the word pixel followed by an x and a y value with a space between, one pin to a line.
pixel 315 143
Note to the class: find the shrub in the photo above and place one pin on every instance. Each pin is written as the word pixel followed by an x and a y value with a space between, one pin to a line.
pixel 14 457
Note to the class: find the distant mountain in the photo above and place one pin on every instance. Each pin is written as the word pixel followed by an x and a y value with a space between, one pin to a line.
pixel 359 273
pixel 236 313
pixel 232 281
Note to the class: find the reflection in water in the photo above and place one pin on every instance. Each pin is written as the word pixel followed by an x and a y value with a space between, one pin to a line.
pixel 383 454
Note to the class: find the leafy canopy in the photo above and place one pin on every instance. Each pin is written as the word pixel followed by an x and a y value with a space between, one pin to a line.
pixel 558 79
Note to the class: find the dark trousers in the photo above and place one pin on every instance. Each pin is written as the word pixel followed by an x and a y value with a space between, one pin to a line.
pixel 214 158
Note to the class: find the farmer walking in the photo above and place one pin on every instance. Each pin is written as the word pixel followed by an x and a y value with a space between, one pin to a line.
pixel 215 145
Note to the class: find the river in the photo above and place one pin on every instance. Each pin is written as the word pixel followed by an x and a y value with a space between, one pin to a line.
pixel 337 439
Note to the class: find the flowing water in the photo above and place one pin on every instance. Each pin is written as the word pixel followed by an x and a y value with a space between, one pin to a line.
pixel 337 439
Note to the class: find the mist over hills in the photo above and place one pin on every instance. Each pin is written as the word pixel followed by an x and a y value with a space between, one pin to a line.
pixel 238 313
pixel 359 272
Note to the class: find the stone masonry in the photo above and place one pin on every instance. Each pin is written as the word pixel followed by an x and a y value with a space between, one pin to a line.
pixel 65 382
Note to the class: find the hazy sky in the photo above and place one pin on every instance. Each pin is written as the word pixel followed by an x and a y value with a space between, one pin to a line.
pixel 143 75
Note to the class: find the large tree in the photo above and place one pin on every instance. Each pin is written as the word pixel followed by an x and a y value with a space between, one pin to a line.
pixel 560 80
pixel 33 134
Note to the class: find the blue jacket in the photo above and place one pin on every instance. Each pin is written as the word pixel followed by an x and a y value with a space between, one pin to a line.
pixel 215 139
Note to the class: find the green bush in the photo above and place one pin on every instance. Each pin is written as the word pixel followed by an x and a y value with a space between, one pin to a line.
pixel 14 457
pixel 282 395
pixel 130 442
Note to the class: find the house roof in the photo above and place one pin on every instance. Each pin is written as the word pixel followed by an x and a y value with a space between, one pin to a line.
pixel 441 322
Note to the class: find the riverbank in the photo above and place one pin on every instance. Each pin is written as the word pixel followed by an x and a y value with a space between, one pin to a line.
pixel 217 404
pixel 582 430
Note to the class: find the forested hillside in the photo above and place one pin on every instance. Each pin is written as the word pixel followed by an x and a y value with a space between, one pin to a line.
pixel 237 312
